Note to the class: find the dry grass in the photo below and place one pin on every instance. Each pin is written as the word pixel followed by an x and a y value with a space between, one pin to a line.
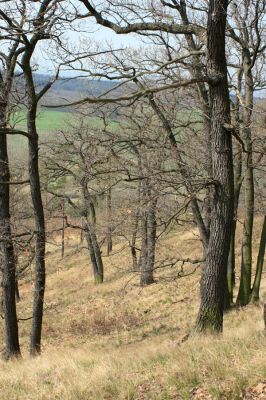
pixel 118 341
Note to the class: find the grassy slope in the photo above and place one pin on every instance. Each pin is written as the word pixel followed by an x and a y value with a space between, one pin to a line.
pixel 118 341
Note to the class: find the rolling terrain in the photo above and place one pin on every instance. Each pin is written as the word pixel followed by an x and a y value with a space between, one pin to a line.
pixel 120 341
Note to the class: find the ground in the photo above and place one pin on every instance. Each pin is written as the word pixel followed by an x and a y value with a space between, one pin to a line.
pixel 120 341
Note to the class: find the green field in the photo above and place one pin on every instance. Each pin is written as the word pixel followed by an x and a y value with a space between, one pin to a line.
pixel 49 122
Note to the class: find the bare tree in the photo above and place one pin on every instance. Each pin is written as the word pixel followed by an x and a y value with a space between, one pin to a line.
pixel 213 282
pixel 7 73
pixel 247 33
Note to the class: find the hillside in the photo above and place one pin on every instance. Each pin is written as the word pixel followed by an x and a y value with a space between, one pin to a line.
pixel 120 341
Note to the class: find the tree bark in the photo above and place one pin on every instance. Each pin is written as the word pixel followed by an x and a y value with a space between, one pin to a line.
pixel 36 196
pixel 97 274
pixel 39 287
pixel 237 187
pixel 231 259
pixel 255 295
pixel 133 249
pixel 109 221
pixel 91 236
pixel 148 236
pixel 63 230
pixel 213 281
pixel 246 263
pixel 12 348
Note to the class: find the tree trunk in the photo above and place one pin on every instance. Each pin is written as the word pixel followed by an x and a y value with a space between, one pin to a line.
pixel 148 236
pixel 92 240
pixel 39 287
pixel 17 292
pixel 237 187
pixel 246 263
pixel 109 221
pixel 151 235
pixel 12 348
pixel 146 277
pixel 98 256
pixel 133 241
pixel 255 295
pixel 135 227
pixel 98 277
pixel 231 258
pixel 213 281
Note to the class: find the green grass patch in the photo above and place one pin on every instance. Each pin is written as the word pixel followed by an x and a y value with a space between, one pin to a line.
pixel 49 123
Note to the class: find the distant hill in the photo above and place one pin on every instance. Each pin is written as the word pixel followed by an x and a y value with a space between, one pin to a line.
pixel 73 89
pixel 69 89
pixel 76 85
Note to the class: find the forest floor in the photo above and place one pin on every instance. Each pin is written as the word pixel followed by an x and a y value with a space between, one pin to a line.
pixel 120 341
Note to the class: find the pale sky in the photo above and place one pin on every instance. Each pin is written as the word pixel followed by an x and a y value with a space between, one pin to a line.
pixel 94 34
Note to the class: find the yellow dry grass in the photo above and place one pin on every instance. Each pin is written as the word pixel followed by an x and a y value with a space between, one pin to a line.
pixel 120 341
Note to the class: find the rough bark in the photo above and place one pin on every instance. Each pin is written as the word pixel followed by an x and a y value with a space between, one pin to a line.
pixel 12 347
pixel 213 281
